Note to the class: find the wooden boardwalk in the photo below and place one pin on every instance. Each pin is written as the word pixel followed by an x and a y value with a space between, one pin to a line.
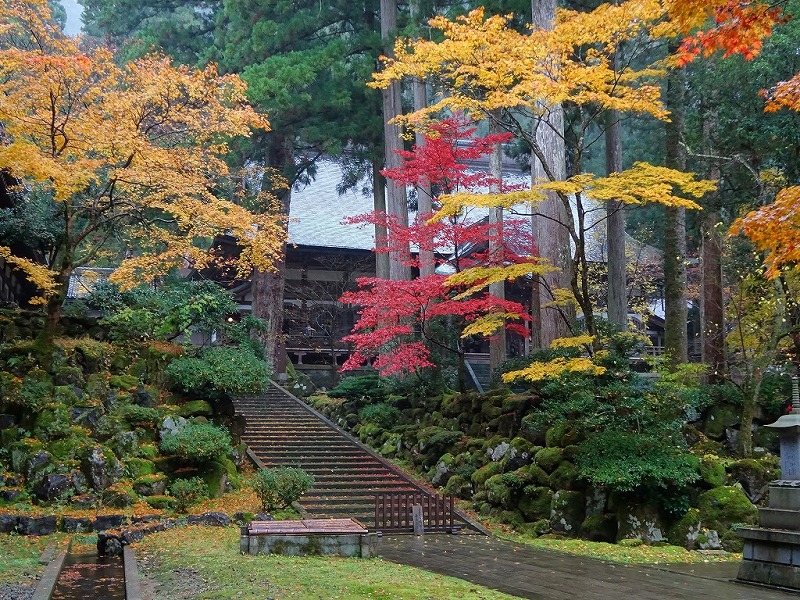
pixel 530 573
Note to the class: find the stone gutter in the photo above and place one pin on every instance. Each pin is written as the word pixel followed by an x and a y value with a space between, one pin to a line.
pixel 47 583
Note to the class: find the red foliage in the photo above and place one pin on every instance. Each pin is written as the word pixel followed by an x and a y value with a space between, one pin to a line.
pixel 739 28
pixel 397 317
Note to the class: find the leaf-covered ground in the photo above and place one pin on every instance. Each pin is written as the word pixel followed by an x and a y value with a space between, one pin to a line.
pixel 198 562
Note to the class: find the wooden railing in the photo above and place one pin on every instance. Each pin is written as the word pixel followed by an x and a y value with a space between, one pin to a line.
pixel 394 512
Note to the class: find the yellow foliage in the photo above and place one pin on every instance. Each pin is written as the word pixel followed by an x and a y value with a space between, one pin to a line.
pixel 485 65
pixel 561 297
pixel 486 325
pixel 573 342
pixel 554 368
pixel 479 278
pixel 138 149
pixel 39 275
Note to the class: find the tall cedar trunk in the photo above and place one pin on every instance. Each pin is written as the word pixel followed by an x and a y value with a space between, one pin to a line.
pixel 379 202
pixel 617 299
pixel 44 341
pixel 551 238
pixel 497 342
pixel 396 202
pixel 676 343
pixel 268 286
pixel 712 313
pixel 427 264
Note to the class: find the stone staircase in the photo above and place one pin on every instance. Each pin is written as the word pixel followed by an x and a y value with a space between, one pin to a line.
pixel 283 431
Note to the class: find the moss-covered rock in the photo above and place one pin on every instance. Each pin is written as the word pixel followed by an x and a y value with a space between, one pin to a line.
pixel 217 476
pixel 536 502
pixel 639 521
pixel 154 484
pixel 719 418
pixel 499 493
pixel 724 506
pixel 196 408
pixel 568 511
pixel 458 486
pixel 712 470
pixel 119 495
pixel 731 541
pixel 754 475
pixel 686 530
pixel 123 382
pixel 480 476
pixel 139 467
pixel 600 528
pixel 565 477
pixel 548 458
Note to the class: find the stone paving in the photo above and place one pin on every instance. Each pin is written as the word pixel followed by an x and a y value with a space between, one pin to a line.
pixel 545 575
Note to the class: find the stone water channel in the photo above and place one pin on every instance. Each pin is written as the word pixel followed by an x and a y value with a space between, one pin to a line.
pixel 87 576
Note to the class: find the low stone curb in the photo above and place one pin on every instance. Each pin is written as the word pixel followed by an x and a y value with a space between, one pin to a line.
pixel 47 583
pixel 133 590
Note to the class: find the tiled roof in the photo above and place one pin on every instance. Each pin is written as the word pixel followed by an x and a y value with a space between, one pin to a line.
pixel 84 279
pixel 317 211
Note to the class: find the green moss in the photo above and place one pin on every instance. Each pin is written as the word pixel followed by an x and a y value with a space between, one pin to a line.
pixel 712 470
pixel 148 451
pixel 732 541
pixel 139 467
pixel 548 458
pixel 123 382
pixel 719 418
pixel 630 542
pixel 723 506
pixel 568 511
pixel 480 476
pixel 195 408
pixel 458 486
pixel 565 477
pixel 161 502
pixel 536 502
pixel 599 528
pixel 684 531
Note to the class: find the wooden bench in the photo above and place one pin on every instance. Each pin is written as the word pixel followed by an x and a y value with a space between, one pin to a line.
pixel 343 537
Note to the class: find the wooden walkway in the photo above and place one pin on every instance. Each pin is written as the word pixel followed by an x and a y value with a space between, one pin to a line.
pixel 530 573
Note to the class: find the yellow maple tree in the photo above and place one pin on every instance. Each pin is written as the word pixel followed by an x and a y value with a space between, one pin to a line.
pixel 484 67
pixel 133 151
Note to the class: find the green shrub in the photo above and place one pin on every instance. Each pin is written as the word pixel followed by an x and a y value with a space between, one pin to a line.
pixel 188 492
pixel 366 387
pixel 218 371
pixel 278 488
pixel 382 414
pixel 197 442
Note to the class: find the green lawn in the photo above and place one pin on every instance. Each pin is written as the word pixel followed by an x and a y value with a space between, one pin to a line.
pixel 19 557
pixel 200 562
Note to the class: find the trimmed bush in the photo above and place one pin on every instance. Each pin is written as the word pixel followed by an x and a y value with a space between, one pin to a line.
pixel 218 371
pixel 197 442
pixel 278 488
pixel 188 492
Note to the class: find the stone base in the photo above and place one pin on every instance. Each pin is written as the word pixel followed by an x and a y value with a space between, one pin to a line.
pixel 770 557
pixel 358 545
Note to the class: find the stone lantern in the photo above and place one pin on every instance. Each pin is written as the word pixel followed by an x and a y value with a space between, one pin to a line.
pixel 772 551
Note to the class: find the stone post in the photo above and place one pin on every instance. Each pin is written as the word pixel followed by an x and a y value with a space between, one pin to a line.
pixel 771 553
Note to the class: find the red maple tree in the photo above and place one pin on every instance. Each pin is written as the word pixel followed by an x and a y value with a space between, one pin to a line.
pixel 405 325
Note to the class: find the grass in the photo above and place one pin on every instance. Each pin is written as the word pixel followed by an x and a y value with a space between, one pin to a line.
pixel 201 562
pixel 19 557
pixel 641 555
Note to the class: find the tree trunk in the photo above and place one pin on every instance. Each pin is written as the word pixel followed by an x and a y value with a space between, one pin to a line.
pixel 396 200
pixel 268 286
pixel 497 342
pixel 713 314
pixel 676 343
pixel 551 235
pixel 617 299
pixel 379 203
